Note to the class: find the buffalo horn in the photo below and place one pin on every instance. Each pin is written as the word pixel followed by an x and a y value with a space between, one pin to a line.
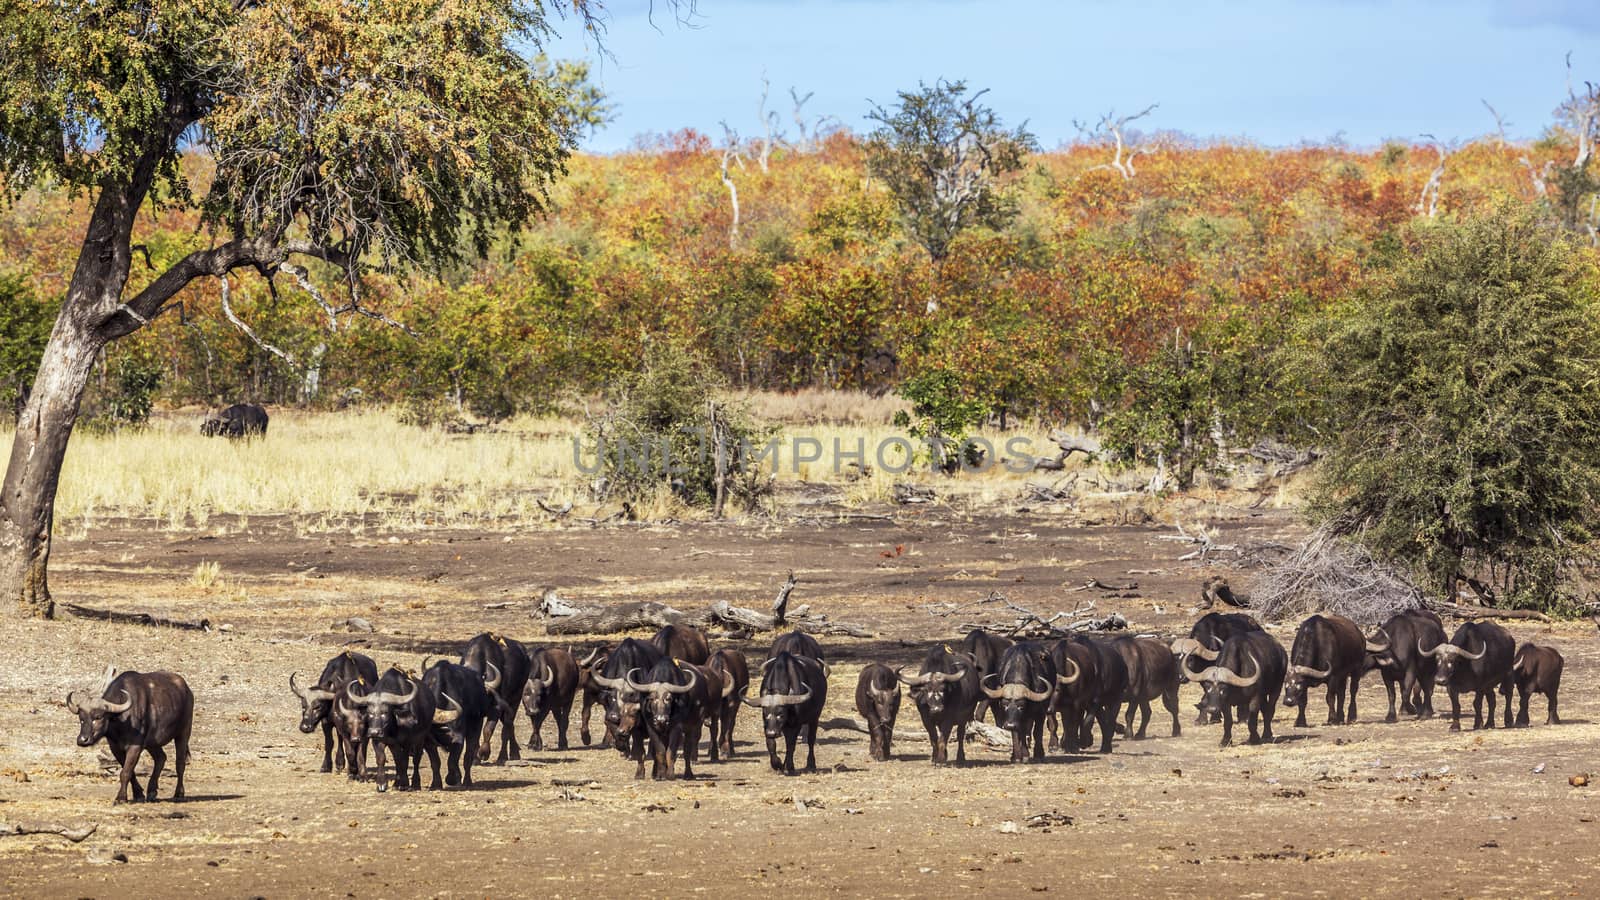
pixel 72 704
pixel 694 679
pixel 549 678
pixel 1228 676
pixel 1374 647
pixel 1076 674
pixel 989 692
pixel 769 700
pixel 298 691
pixel 122 707
pixel 1309 672
pixel 491 684
pixel 635 686
pixel 442 717
pixel 913 680
pixel 1184 646
pixel 610 684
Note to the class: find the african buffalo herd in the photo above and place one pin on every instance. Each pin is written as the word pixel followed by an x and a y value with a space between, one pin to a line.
pixel 661 696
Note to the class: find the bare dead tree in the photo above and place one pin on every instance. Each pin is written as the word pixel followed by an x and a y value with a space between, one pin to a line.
pixel 1112 127
pixel 731 155
pixel 1500 123
pixel 1428 201
pixel 1583 117
pixel 770 135
pixel 800 119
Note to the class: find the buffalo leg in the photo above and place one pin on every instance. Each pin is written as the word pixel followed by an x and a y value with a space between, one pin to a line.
pixel 1268 710
pixel 467 762
pixel 1108 725
pixel 961 744
pixel 180 759
pixel 1300 711
pixel 487 743
pixel 1144 719
pixel 790 736
pixel 1455 710
pixel 508 737
pixel 130 759
pixel 327 746
pixel 1055 738
pixel 402 769
pixel 1477 710
pixel 1355 685
pixel 1254 710
pixel 1227 725
pixel 772 751
pixel 1489 723
pixel 454 757
pixel 1038 739
pixel 563 714
pixel 433 762
pixel 535 727
pixel 1551 717
pixel 811 747
pixel 583 722
pixel 1335 704
pixel 383 766
pixel 1170 701
pixel 729 718
pixel 158 761
pixel 713 725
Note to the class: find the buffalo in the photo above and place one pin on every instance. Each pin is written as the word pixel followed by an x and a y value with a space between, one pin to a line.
pixel 138 712
pixel 593 694
pixel 676 698
pixel 731 667
pixel 1019 692
pixel 1243 683
pixel 462 702
pixel 550 689
pixel 1402 665
pixel 400 717
pixel 316 702
pixel 1477 658
pixel 1536 670
pixel 945 690
pixel 793 691
pixel 1328 650
pixel 1206 637
pixel 511 659
pixel 622 702
pixel 878 702
pixel 1091 680
pixel 237 421
pixel 985 650
pixel 683 642
pixel 797 642
pixel 1152 673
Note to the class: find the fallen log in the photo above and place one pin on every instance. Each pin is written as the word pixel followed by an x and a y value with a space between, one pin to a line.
pixel 1071 444
pixel 136 618
pixel 633 616
pixel 1483 612
pixel 75 835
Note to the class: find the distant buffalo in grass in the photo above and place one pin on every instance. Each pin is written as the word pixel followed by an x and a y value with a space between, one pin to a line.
pixel 237 421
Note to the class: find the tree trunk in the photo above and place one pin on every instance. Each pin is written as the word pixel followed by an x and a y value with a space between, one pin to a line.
pixel 28 503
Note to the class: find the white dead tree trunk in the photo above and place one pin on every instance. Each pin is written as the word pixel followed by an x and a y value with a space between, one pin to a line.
pixel 1428 202
pixel 1112 128
pixel 731 156
pixel 805 144
pixel 769 126
pixel 1500 124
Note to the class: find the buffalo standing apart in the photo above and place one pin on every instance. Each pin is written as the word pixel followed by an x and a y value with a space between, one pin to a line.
pixel 400 718
pixel 946 691
pixel 593 694
pixel 1478 659
pixel 985 650
pixel 731 666
pixel 1019 692
pixel 1536 670
pixel 317 701
pixel 621 701
pixel 1405 667
pixel 683 642
pixel 550 689
pixel 1328 650
pixel 511 659
pixel 1152 673
pixel 793 691
pixel 878 702
pixel 237 421
pixel 139 712
pixel 1243 683
pixel 1091 680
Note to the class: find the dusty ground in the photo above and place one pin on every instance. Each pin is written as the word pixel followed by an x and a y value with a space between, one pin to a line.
pixel 1369 809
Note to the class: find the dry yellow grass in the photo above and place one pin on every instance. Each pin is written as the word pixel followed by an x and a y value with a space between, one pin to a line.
pixel 365 469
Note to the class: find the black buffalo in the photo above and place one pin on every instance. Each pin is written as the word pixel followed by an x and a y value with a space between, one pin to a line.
pixel 138 712
pixel 793 691
pixel 1403 666
pixel 237 421
pixel 1205 640
pixel 1536 670
pixel 622 702
pixel 1152 673
pixel 985 650
pixel 878 702
pixel 684 642
pixel 316 702
pixel 675 699
pixel 731 666
pixel 590 662
pixel 1328 650
pixel 400 718
pixel 511 659
pixel 1091 680
pixel 1243 683
pixel 945 690
pixel 550 689
pixel 462 702
pixel 1019 691
pixel 1478 658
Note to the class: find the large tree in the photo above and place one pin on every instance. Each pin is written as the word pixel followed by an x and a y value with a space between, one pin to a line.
pixel 1459 394
pixel 940 152
pixel 346 134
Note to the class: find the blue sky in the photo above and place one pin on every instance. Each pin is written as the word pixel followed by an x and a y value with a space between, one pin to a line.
pixel 1277 73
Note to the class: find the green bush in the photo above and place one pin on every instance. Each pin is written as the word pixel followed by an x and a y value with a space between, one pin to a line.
pixel 24 329
pixel 942 416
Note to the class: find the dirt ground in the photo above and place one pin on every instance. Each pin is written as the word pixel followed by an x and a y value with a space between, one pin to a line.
pixel 1362 810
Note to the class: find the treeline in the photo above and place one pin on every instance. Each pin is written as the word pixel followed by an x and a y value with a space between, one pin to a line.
pixel 1159 294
